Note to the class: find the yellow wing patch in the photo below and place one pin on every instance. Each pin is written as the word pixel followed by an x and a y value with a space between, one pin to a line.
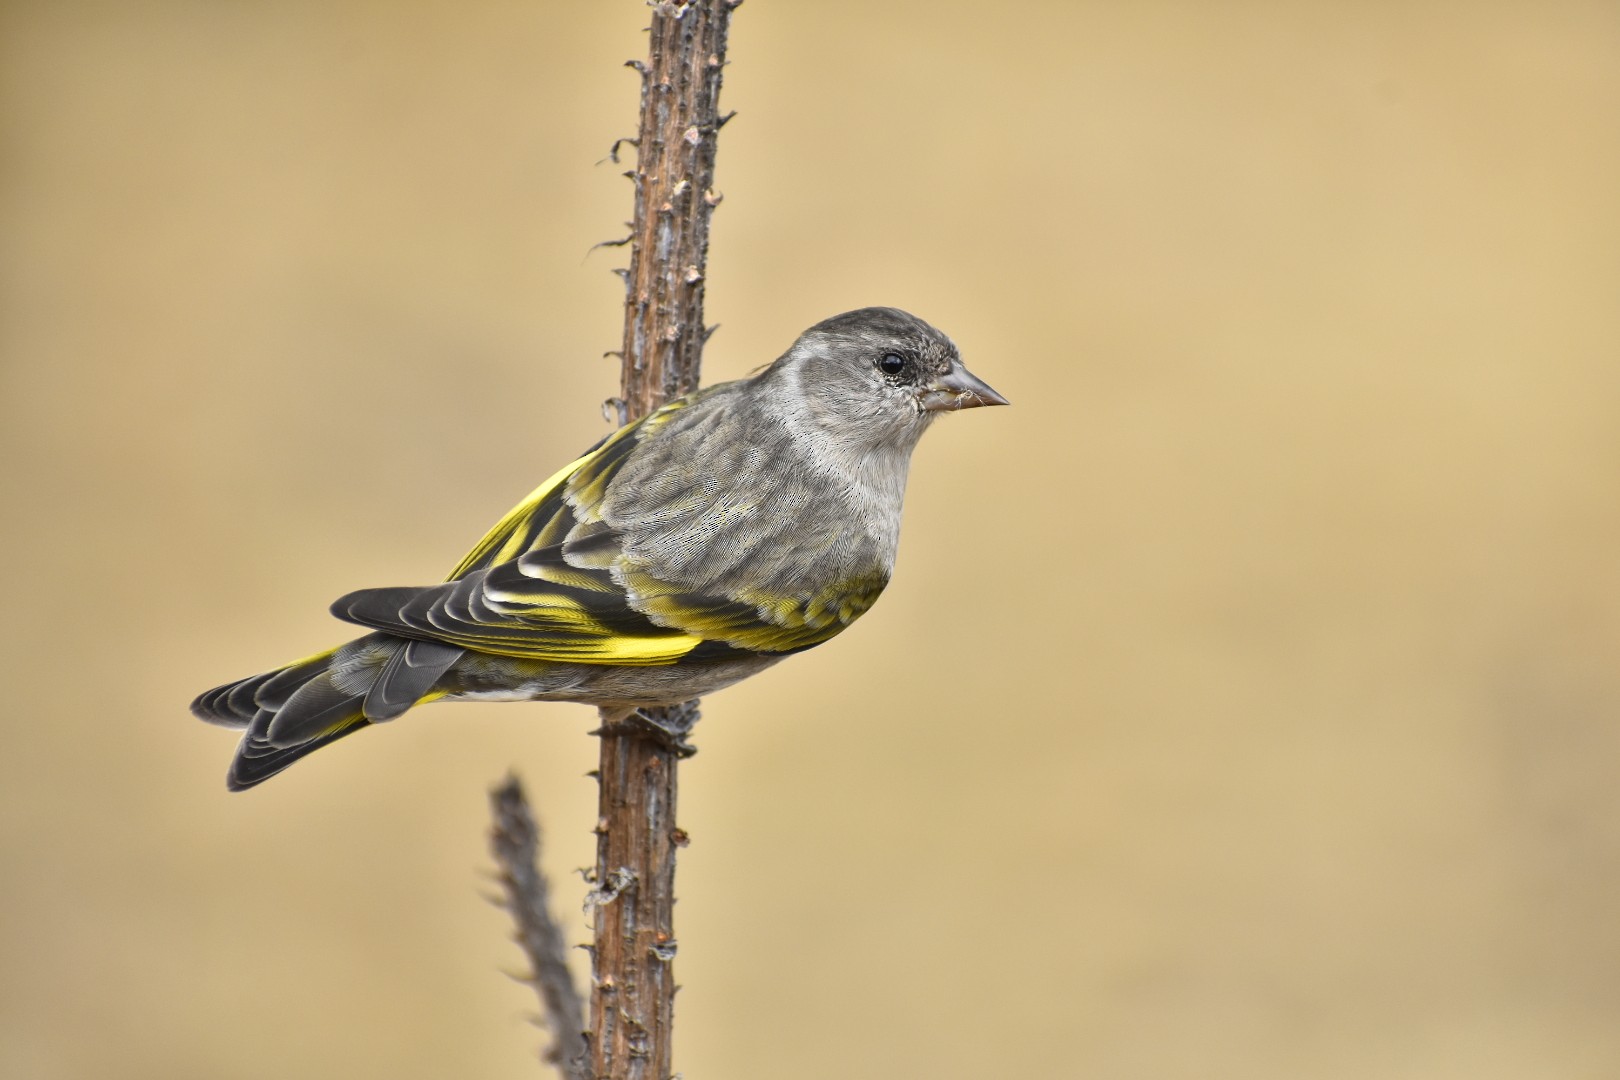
pixel 505 540
pixel 538 521
pixel 761 623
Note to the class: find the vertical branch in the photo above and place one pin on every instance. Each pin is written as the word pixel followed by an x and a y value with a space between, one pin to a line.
pixel 633 987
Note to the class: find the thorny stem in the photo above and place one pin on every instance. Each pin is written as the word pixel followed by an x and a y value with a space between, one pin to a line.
pixel 632 985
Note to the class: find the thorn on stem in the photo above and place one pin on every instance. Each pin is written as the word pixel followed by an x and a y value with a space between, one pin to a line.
pixel 613 151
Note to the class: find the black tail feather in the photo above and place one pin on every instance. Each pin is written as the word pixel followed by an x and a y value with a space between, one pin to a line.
pixel 257 760
pixel 297 709
pixel 236 704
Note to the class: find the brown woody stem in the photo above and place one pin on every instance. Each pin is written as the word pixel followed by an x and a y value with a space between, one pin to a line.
pixel 633 986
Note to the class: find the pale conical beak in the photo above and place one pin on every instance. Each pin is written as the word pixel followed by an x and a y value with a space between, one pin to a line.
pixel 958 388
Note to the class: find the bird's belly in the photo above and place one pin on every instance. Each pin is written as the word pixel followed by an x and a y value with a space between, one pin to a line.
pixel 495 678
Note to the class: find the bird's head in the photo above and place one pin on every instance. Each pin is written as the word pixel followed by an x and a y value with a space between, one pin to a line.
pixel 878 376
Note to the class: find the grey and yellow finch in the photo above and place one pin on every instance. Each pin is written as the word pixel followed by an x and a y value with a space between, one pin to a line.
pixel 687 550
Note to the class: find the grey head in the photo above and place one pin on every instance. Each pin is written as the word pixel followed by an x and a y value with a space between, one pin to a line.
pixel 877 376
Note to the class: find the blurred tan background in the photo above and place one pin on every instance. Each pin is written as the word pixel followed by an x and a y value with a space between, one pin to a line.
pixel 1245 702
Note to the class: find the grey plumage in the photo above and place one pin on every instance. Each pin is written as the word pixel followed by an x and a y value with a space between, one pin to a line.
pixel 686 551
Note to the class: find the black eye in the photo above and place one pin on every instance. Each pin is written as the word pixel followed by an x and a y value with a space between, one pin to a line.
pixel 892 363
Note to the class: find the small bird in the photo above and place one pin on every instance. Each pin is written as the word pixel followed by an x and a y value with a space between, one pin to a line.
pixel 689 549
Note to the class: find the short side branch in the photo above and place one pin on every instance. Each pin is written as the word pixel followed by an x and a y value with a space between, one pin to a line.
pixel 515 841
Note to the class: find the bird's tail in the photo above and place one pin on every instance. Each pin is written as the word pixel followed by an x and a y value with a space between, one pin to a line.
pixel 297 709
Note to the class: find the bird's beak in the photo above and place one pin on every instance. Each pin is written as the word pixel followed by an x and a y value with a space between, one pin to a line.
pixel 958 388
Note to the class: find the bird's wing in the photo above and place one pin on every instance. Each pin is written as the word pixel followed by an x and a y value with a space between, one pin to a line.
pixel 552 581
pixel 545 517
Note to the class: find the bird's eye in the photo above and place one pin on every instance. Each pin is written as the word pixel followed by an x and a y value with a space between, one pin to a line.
pixel 891 363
